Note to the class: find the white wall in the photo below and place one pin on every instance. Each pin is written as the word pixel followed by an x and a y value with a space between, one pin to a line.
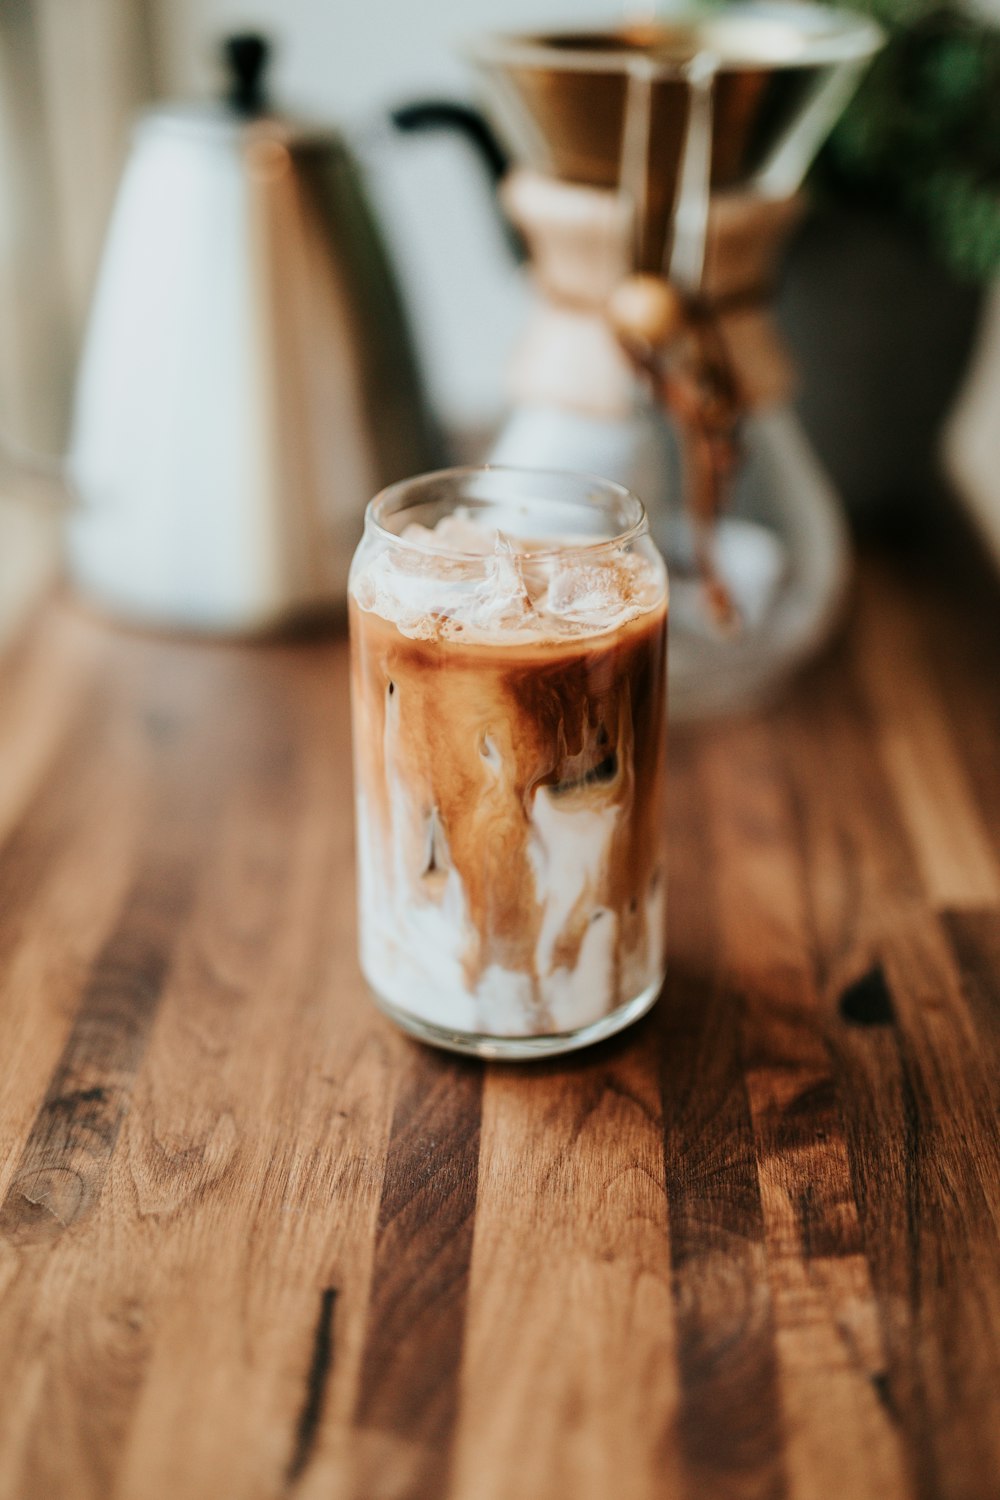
pixel 346 60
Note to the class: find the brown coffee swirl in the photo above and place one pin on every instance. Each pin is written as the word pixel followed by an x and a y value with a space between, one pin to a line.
pixel 510 806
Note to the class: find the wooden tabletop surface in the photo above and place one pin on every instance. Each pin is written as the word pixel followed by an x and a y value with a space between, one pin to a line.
pixel 255 1243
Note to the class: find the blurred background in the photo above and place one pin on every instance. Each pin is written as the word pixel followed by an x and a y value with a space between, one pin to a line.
pixel 887 297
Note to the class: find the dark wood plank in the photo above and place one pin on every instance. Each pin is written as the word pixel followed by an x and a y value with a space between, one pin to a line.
pixel 910 1085
pixel 408 1390
pixel 953 601
pixel 569 1383
pixel 64 1161
pixel 920 753
pixel 730 1425
pixel 974 938
pixel 257 1144
pixel 830 1356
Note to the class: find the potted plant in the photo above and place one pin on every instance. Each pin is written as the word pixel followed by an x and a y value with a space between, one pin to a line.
pixel 884 284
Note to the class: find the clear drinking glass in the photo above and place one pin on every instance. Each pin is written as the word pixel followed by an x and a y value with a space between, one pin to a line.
pixel 508 644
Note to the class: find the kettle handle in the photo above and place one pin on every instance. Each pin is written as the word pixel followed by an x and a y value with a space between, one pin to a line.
pixel 465 120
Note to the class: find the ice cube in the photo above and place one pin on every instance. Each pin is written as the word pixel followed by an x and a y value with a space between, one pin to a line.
pixel 502 598
pixel 581 592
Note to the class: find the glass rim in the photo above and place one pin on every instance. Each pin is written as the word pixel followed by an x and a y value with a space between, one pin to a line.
pixel 845 36
pixel 380 503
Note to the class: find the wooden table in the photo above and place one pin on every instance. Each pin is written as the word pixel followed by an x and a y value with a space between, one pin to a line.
pixel 255 1243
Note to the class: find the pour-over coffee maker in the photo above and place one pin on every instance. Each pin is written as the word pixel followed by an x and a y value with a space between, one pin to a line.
pixel 658 177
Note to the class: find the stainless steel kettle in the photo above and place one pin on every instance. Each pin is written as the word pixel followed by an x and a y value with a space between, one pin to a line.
pixel 247 379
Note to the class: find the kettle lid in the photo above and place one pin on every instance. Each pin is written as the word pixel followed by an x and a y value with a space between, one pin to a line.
pixel 243 108
pixel 247 54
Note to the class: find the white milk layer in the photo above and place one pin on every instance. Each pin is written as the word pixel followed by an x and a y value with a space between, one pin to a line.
pixel 412 946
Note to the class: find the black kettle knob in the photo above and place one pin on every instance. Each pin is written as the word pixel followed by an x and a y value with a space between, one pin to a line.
pixel 246 54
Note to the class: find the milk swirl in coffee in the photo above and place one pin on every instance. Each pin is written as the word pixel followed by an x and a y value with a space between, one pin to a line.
pixel 508 700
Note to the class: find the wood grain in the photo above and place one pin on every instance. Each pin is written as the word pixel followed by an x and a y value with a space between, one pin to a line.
pixel 730 1422
pixel 408 1390
pixel 569 1384
pixel 255 1243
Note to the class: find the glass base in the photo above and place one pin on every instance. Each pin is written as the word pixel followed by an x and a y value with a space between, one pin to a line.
pixel 520 1048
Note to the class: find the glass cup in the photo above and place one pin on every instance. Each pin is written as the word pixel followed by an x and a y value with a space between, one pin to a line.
pixel 508 648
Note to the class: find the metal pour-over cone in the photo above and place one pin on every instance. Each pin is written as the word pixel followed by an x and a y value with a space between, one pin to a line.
pixel 740 96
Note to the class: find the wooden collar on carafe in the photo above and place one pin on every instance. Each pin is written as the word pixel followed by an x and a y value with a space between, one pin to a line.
pixel 580 237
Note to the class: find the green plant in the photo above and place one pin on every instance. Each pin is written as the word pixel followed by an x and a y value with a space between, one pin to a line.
pixel 921 138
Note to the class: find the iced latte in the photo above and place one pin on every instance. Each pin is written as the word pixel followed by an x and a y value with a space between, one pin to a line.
pixel 508 639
